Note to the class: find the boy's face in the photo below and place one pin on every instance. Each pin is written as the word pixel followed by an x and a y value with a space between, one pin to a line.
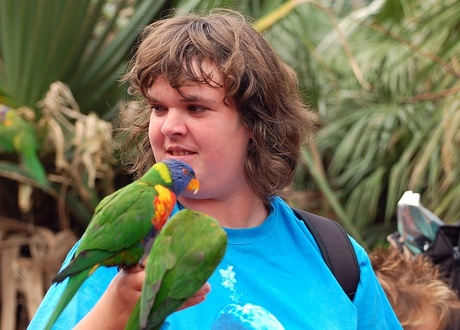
pixel 200 129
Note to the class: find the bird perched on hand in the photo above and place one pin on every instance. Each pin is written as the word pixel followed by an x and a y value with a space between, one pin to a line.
pixel 183 257
pixel 121 222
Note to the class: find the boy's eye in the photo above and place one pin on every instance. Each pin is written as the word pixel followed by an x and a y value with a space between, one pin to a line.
pixel 156 108
pixel 196 108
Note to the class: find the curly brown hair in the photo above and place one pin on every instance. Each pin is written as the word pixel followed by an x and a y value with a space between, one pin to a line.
pixel 263 88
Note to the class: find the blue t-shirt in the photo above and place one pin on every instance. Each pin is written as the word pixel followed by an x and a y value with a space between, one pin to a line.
pixel 271 277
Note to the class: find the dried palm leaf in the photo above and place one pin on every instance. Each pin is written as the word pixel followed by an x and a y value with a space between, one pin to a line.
pixel 28 278
pixel 48 250
pixel 8 255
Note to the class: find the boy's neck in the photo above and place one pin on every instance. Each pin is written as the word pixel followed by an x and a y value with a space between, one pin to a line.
pixel 242 211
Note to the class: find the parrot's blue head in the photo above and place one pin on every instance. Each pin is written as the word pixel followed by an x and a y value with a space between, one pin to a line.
pixel 182 175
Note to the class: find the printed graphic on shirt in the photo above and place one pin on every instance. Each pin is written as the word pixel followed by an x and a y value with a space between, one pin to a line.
pixel 242 316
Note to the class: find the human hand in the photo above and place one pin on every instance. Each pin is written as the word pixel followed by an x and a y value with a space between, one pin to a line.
pixel 198 297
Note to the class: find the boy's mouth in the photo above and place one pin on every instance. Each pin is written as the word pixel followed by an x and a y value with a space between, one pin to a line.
pixel 179 152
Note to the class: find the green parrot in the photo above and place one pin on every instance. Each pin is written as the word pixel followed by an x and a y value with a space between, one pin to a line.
pixel 122 221
pixel 17 135
pixel 183 257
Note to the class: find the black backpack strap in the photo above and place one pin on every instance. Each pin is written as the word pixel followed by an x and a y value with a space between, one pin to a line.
pixel 336 248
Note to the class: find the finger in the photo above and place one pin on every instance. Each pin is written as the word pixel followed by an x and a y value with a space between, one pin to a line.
pixel 205 289
pixel 132 278
pixel 195 300
pixel 198 297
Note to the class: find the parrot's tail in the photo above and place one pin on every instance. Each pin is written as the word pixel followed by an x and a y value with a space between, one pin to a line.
pixel 134 320
pixel 72 287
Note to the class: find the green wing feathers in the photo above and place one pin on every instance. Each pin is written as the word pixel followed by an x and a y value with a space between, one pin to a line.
pixel 183 257
pixel 83 262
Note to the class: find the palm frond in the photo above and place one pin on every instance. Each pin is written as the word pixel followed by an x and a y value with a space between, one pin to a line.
pixel 398 132
pixel 81 43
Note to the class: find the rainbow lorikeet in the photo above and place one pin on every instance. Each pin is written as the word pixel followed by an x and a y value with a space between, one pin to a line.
pixel 183 257
pixel 122 221
pixel 17 135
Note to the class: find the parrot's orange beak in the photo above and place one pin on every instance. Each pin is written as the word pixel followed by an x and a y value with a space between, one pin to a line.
pixel 194 185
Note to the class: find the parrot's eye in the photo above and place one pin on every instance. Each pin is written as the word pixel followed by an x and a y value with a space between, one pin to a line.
pixel 185 171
